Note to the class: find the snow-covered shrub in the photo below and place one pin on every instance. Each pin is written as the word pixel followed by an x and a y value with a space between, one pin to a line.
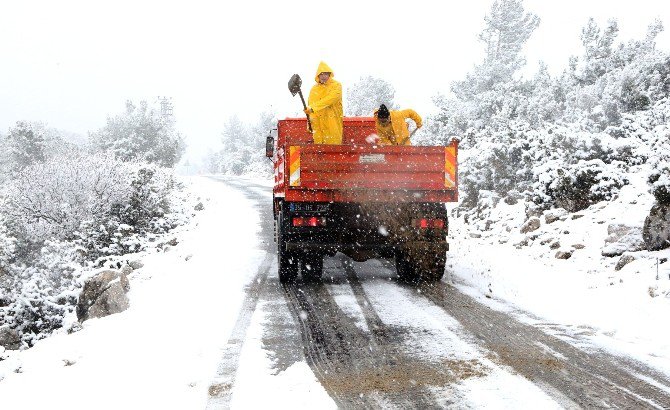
pixel 503 168
pixel 36 296
pixel 53 198
pixel 660 183
pixel 7 245
pixel 577 186
pixel 147 199
pixel 69 214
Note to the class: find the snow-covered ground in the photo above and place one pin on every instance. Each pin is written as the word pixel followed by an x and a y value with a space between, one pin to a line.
pixel 163 351
pixel 623 311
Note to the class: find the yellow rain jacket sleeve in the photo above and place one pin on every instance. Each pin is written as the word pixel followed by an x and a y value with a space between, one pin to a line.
pixel 326 102
pixel 397 132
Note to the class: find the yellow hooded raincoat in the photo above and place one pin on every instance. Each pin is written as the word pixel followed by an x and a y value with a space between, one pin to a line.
pixel 397 132
pixel 326 102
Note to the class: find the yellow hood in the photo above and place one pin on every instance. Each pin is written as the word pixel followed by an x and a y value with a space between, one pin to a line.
pixel 323 68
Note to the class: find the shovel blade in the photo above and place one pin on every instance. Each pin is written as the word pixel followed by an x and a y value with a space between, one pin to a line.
pixel 294 84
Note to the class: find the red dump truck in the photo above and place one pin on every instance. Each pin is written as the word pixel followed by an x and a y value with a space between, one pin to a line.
pixel 363 200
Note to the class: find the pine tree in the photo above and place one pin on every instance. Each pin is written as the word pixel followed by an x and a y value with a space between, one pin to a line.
pixel 491 94
pixel 26 146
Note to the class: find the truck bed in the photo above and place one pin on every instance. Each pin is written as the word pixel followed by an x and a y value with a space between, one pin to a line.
pixel 357 171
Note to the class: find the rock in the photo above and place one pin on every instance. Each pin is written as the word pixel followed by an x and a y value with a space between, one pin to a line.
pixel 656 230
pixel 199 206
pixel 577 216
pixel 622 238
pixel 553 215
pixel 10 339
pixel 531 225
pixel 522 243
pixel 563 254
pixel 555 245
pixel 136 264
pixel 127 269
pixel 623 261
pixel 513 197
pixel 475 235
pixel 103 294
pixel 578 246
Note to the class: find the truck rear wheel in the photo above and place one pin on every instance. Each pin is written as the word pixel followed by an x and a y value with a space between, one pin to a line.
pixel 312 268
pixel 288 261
pixel 404 268
pixel 420 266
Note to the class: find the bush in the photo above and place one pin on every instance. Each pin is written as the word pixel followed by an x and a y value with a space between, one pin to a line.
pixel 576 187
pixel 660 184
pixel 92 209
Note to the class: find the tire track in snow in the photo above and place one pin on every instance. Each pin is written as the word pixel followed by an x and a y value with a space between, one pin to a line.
pixel 586 379
pixel 220 388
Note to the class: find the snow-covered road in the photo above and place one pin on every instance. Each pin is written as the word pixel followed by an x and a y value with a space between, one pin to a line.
pixel 210 326
pixel 361 339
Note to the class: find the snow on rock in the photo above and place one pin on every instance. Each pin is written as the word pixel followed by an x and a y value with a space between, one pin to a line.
pixel 553 215
pixel 656 232
pixel 9 339
pixel 103 294
pixel 531 225
pixel 622 238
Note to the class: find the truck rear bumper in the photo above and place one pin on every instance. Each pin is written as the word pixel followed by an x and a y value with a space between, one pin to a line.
pixel 326 248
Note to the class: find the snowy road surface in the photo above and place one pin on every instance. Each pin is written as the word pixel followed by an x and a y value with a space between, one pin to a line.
pixel 361 339
pixel 210 326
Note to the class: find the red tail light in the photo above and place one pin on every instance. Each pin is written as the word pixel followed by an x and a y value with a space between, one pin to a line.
pixel 309 221
pixel 425 223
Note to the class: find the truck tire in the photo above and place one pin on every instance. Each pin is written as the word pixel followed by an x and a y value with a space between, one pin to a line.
pixel 404 268
pixel 432 270
pixel 312 268
pixel 288 262
pixel 422 267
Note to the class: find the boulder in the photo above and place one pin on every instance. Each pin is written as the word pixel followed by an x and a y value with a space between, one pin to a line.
pixel 103 294
pixel 656 230
pixel 553 215
pixel 564 254
pixel 10 339
pixel 622 238
pixel 532 224
pixel 623 261
pixel 513 197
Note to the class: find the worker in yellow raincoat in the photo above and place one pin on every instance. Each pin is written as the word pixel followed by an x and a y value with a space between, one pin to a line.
pixel 392 126
pixel 325 107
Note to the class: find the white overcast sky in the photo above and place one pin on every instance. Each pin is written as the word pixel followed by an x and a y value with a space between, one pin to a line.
pixel 73 63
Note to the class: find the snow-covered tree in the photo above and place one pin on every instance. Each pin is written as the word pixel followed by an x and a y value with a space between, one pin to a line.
pixel 491 92
pixel 243 147
pixel 141 133
pixel 367 94
pixel 25 145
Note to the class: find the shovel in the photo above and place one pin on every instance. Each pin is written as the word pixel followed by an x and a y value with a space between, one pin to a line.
pixel 294 87
pixel 408 137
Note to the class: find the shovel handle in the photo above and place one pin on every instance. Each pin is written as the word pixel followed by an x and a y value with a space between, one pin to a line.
pixel 408 137
pixel 304 106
